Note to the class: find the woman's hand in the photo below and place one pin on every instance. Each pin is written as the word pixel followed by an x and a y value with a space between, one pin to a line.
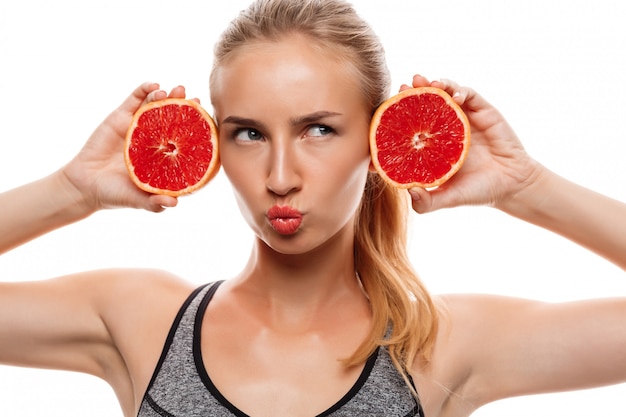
pixel 497 166
pixel 98 173
pixel 96 178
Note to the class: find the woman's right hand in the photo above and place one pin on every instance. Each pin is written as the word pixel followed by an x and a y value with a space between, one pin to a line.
pixel 98 174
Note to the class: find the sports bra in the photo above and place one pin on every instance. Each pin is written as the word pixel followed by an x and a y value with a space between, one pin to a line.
pixel 181 387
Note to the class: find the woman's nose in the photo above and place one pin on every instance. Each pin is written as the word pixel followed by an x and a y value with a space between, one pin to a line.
pixel 284 171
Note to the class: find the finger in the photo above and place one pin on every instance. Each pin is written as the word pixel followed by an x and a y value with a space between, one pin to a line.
pixel 138 96
pixel 158 203
pixel 134 197
pixel 426 201
pixel 420 81
pixel 474 101
pixel 155 96
pixel 177 92
pixel 458 93
pixel 446 84
pixel 463 96
pixel 421 200
pixel 118 119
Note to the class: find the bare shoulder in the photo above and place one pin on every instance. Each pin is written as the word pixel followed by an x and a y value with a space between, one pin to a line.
pixel 469 326
pixel 498 347
pixel 124 297
pixel 109 323
pixel 468 308
pixel 138 306
pixel 469 322
pixel 135 288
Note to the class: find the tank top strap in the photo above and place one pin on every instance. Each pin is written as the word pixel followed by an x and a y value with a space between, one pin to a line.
pixel 176 362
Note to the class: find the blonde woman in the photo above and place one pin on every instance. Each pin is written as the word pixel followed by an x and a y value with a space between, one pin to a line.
pixel 327 318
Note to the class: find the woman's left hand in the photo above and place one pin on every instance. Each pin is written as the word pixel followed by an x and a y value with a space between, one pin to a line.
pixel 497 165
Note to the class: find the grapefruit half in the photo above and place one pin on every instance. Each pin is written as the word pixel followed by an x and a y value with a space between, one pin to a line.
pixel 419 138
pixel 171 147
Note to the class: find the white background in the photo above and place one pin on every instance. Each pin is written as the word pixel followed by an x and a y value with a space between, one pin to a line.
pixel 554 68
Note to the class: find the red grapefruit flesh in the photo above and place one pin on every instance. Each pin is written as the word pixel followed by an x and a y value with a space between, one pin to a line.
pixel 419 138
pixel 171 147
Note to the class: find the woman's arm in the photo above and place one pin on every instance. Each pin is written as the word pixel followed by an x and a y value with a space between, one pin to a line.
pixel 498 172
pixel 508 347
pixel 503 346
pixel 37 208
pixel 87 322
pixel 590 219
pixel 95 179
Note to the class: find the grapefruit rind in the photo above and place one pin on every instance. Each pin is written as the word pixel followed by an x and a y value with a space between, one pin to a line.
pixel 404 150
pixel 208 168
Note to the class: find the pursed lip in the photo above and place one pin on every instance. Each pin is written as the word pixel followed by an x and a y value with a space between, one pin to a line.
pixel 285 220
pixel 283 212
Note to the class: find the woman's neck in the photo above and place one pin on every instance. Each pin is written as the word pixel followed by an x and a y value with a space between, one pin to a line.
pixel 297 288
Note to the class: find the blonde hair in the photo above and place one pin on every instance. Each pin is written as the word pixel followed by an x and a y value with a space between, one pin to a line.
pixel 404 316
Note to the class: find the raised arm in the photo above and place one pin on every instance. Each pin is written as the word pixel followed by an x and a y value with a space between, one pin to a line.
pixel 498 172
pixel 95 179
pixel 497 347
pixel 90 322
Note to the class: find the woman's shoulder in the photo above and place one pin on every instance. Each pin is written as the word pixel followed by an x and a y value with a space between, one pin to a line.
pixel 468 321
pixel 130 289
pixel 471 327
pixel 138 307
pixel 133 300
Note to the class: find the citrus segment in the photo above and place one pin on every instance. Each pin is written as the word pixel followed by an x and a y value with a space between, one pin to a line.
pixel 171 147
pixel 419 138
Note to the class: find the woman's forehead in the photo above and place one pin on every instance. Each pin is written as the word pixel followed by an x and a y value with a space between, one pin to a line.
pixel 287 50
pixel 291 69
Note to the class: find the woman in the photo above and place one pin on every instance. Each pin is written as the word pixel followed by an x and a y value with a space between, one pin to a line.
pixel 298 331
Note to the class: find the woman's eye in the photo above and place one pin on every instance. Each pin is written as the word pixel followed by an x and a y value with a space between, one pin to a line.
pixel 247 135
pixel 319 131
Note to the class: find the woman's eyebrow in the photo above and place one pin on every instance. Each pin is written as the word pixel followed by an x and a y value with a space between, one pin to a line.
pixel 243 121
pixel 313 117
pixel 296 121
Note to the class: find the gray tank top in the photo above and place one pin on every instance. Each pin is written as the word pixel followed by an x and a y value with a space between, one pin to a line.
pixel 181 387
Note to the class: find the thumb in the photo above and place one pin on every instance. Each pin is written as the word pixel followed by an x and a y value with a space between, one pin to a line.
pixel 425 201
pixel 137 199
pixel 157 203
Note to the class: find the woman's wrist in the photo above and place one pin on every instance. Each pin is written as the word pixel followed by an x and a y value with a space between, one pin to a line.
pixel 39 207
pixel 592 220
pixel 67 202
pixel 532 201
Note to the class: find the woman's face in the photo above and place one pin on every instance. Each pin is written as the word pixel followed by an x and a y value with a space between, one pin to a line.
pixel 293 141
